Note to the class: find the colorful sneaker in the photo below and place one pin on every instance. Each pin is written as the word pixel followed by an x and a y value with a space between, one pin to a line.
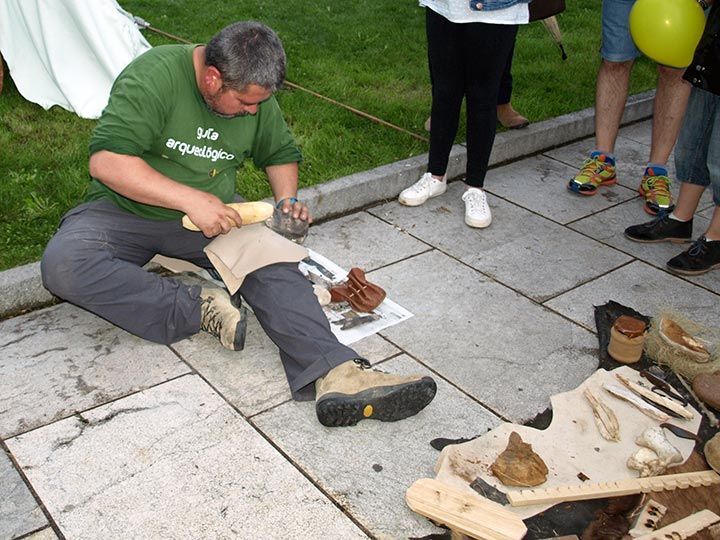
pixel 661 229
pixel 702 256
pixel 597 170
pixel 655 188
pixel 422 190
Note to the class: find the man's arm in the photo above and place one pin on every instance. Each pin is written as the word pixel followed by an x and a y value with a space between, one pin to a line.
pixel 284 182
pixel 131 177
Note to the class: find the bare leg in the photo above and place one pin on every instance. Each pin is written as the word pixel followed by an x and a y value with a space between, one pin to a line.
pixel 611 93
pixel 668 110
pixel 688 200
pixel 713 232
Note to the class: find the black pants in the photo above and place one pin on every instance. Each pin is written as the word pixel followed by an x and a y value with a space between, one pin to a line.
pixel 466 60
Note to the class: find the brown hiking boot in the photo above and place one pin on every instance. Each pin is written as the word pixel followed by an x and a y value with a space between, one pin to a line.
pixel 509 118
pixel 222 319
pixel 352 392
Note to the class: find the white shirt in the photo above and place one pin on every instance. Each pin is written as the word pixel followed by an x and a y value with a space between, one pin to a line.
pixel 458 11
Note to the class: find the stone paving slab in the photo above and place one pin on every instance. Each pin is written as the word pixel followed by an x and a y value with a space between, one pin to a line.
pixel 362 240
pixel 174 461
pixel 524 251
pixel 539 184
pixel 641 287
pixel 368 467
pixel 62 359
pixel 253 379
pixel 608 227
pixel 19 513
pixel 639 132
pixel 44 534
pixel 506 351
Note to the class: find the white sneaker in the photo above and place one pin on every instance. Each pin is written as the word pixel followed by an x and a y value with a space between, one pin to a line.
pixel 422 190
pixel 477 211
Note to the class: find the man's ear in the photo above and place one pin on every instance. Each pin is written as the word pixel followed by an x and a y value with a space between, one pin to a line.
pixel 212 79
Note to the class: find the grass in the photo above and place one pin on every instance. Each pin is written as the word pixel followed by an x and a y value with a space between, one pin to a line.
pixel 372 59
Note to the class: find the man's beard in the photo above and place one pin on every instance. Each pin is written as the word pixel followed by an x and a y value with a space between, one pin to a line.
pixel 210 101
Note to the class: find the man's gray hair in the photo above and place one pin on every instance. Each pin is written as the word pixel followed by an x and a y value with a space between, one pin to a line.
pixel 247 52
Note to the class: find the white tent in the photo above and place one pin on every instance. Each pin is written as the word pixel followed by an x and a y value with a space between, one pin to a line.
pixel 67 52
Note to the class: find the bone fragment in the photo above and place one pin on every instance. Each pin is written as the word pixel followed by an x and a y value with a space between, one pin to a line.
pixel 605 419
pixel 623 393
pixel 646 462
pixel 652 396
pixel 665 454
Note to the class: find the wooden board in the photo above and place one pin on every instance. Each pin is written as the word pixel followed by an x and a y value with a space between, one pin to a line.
pixel 464 513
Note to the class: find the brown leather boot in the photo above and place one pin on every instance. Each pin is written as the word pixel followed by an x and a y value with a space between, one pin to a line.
pixel 509 118
pixel 353 391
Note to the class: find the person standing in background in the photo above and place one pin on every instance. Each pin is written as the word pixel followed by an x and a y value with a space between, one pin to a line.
pixel 468 48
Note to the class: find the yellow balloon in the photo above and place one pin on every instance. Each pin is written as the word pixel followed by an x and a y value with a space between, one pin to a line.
pixel 667 31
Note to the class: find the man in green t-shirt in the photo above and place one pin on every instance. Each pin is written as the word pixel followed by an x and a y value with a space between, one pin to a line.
pixel 180 121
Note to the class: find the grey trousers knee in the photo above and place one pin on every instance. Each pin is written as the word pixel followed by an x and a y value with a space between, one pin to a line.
pixel 95 261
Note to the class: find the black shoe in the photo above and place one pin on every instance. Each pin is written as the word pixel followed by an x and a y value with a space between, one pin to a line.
pixel 701 257
pixel 661 229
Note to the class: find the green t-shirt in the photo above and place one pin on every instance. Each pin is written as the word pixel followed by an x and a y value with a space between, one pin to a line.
pixel 156 112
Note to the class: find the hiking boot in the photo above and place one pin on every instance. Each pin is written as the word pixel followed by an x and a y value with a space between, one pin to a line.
pixel 477 211
pixel 597 170
pixel 353 391
pixel 661 229
pixel 655 188
pixel 422 190
pixel 702 256
pixel 219 317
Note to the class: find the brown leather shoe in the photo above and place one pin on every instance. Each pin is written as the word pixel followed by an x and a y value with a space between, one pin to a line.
pixel 509 118
pixel 358 292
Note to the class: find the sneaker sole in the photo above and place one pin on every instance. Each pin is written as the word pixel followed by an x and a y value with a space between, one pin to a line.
pixel 659 240
pixel 406 202
pixel 605 183
pixel 475 224
pixel 685 272
pixel 384 403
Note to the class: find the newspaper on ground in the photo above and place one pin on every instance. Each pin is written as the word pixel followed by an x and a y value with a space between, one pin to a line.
pixel 347 324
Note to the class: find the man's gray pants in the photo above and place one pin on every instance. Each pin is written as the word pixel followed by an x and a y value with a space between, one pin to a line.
pixel 95 261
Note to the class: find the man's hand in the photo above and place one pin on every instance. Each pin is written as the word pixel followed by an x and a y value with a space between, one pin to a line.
pixel 211 215
pixel 298 209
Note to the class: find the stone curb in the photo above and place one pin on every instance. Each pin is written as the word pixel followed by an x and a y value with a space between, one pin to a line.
pixel 21 287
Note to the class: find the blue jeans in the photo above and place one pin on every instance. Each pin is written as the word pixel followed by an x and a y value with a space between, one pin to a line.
pixel 697 154
pixel 617 43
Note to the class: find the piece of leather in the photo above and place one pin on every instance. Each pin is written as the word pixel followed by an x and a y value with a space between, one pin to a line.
pixel 241 251
pixel 357 291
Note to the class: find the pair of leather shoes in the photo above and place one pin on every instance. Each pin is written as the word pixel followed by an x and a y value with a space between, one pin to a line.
pixel 358 292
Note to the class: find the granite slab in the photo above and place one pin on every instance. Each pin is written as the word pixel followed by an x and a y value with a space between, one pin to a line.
pixel 506 351
pixel 19 512
pixel 362 240
pixel 522 250
pixel 539 184
pixel 368 467
pixel 608 227
pixel 643 288
pixel 63 359
pixel 174 461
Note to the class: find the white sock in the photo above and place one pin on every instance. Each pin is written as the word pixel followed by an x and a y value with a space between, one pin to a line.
pixel 673 216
